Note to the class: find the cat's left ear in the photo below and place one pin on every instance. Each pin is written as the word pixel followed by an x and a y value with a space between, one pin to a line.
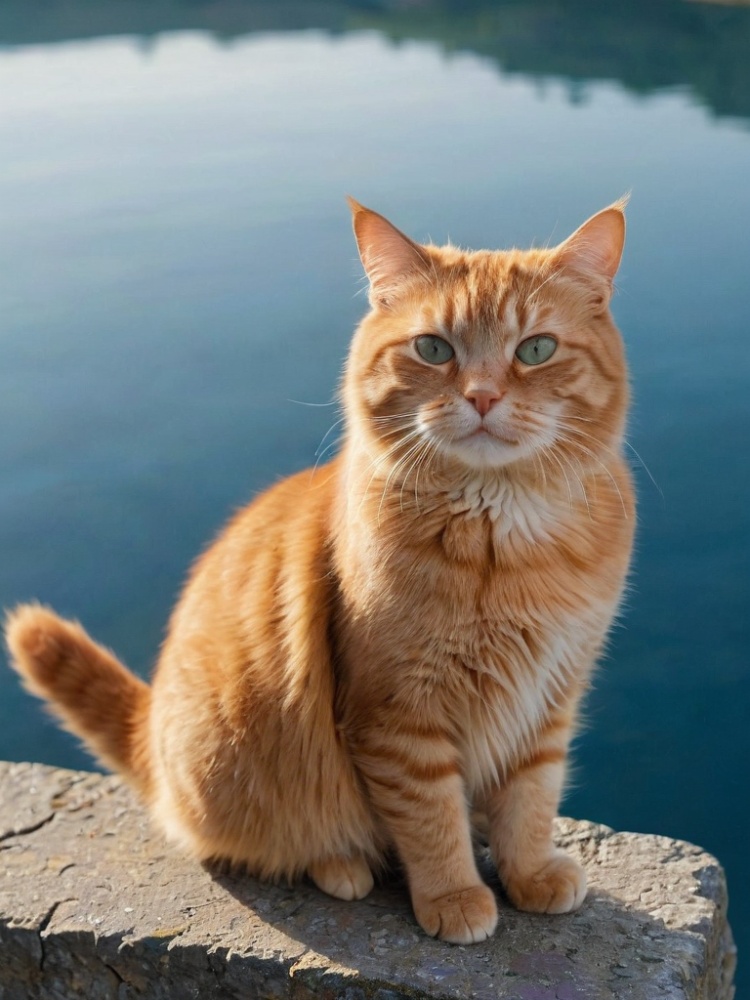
pixel 595 248
pixel 390 258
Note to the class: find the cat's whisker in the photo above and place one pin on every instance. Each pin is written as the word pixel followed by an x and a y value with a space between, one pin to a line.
pixel 397 428
pixel 391 473
pixel 430 456
pixel 579 432
pixel 415 451
pixel 302 402
pixel 393 448
pixel 424 457
pixel 440 442
pixel 599 444
pixel 588 478
pixel 394 471
pixel 422 450
pixel 325 455
pixel 576 444
pixel 538 463
pixel 375 465
pixel 566 459
pixel 323 448
pixel 551 454
pixel 643 466
pixel 395 416
pixel 330 430
pixel 378 461
pixel 400 429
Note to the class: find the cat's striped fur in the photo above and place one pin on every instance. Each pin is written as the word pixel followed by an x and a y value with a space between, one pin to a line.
pixel 375 648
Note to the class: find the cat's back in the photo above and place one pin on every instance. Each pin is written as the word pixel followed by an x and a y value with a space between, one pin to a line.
pixel 286 525
pixel 261 587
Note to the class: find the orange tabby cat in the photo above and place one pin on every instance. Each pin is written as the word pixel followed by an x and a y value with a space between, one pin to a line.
pixel 376 647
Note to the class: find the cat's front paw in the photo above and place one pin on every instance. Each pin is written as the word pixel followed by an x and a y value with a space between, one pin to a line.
pixel 559 886
pixel 462 917
pixel 344 878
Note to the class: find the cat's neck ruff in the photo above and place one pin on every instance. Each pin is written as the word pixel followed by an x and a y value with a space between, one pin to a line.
pixel 515 506
pixel 524 503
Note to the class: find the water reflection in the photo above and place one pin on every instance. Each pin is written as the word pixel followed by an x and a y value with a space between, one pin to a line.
pixel 643 45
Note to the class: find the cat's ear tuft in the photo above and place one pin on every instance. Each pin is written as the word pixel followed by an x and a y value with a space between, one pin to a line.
pixel 595 248
pixel 390 258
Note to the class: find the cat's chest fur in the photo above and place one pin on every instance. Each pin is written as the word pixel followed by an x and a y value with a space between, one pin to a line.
pixel 504 679
pixel 512 629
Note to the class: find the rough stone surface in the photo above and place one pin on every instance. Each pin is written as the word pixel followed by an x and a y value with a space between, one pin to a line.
pixel 94 904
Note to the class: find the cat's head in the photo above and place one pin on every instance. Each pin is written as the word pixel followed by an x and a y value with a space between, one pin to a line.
pixel 488 358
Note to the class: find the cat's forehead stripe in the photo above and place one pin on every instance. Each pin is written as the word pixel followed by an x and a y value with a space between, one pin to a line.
pixel 487 293
pixel 504 313
pixel 509 319
pixel 449 313
pixel 455 310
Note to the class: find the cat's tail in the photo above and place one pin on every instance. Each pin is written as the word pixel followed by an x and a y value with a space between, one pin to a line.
pixel 92 693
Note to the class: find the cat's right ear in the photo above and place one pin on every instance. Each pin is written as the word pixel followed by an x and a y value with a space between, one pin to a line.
pixel 389 258
pixel 595 248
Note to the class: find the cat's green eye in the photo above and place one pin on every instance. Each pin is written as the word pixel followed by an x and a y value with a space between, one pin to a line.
pixel 433 349
pixel 535 350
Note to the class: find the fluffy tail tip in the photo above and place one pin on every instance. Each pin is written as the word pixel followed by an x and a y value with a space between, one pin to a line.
pixel 38 641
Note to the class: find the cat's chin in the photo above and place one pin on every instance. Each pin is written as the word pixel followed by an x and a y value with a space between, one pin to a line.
pixel 485 451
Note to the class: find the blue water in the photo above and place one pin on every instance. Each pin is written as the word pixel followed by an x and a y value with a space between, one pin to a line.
pixel 178 277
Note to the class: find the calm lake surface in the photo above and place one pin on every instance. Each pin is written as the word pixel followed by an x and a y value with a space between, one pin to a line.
pixel 178 277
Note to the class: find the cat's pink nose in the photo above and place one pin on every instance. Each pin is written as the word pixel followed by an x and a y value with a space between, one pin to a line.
pixel 483 400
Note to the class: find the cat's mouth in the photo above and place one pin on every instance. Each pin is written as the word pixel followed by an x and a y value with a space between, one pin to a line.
pixel 485 447
pixel 483 433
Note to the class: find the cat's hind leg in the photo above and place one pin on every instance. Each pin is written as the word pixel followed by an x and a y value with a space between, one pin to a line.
pixel 344 878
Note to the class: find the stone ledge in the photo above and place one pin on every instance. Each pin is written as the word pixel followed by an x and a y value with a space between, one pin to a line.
pixel 94 904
